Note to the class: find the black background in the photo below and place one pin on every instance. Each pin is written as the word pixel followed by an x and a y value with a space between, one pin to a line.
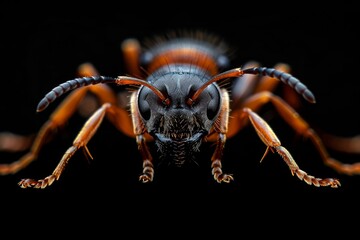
pixel 42 51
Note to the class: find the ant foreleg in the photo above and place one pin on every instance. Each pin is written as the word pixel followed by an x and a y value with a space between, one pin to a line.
pixel 269 138
pixel 221 127
pixel 80 141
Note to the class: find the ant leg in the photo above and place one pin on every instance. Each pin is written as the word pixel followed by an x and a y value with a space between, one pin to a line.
pixel 272 143
pixel 269 84
pixel 221 128
pixel 246 85
pixel 84 136
pixel 342 144
pixel 349 145
pixel 118 116
pixel 302 128
pixel 89 103
pixel 140 132
pixel 62 113
pixel 243 87
pixel 131 51
pixel 12 142
pixel 56 120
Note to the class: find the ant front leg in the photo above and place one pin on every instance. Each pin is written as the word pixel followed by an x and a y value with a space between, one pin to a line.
pixel 80 141
pixel 118 116
pixel 240 117
pixel 302 128
pixel 221 127
pixel 140 132
pixel 56 120
pixel 269 138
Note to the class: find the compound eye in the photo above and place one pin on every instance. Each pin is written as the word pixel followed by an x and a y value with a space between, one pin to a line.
pixel 213 108
pixel 143 104
pixel 144 110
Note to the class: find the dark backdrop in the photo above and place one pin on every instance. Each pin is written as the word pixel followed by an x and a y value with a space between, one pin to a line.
pixel 40 52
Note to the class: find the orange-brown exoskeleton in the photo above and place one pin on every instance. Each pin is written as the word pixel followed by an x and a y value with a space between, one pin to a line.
pixel 179 103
